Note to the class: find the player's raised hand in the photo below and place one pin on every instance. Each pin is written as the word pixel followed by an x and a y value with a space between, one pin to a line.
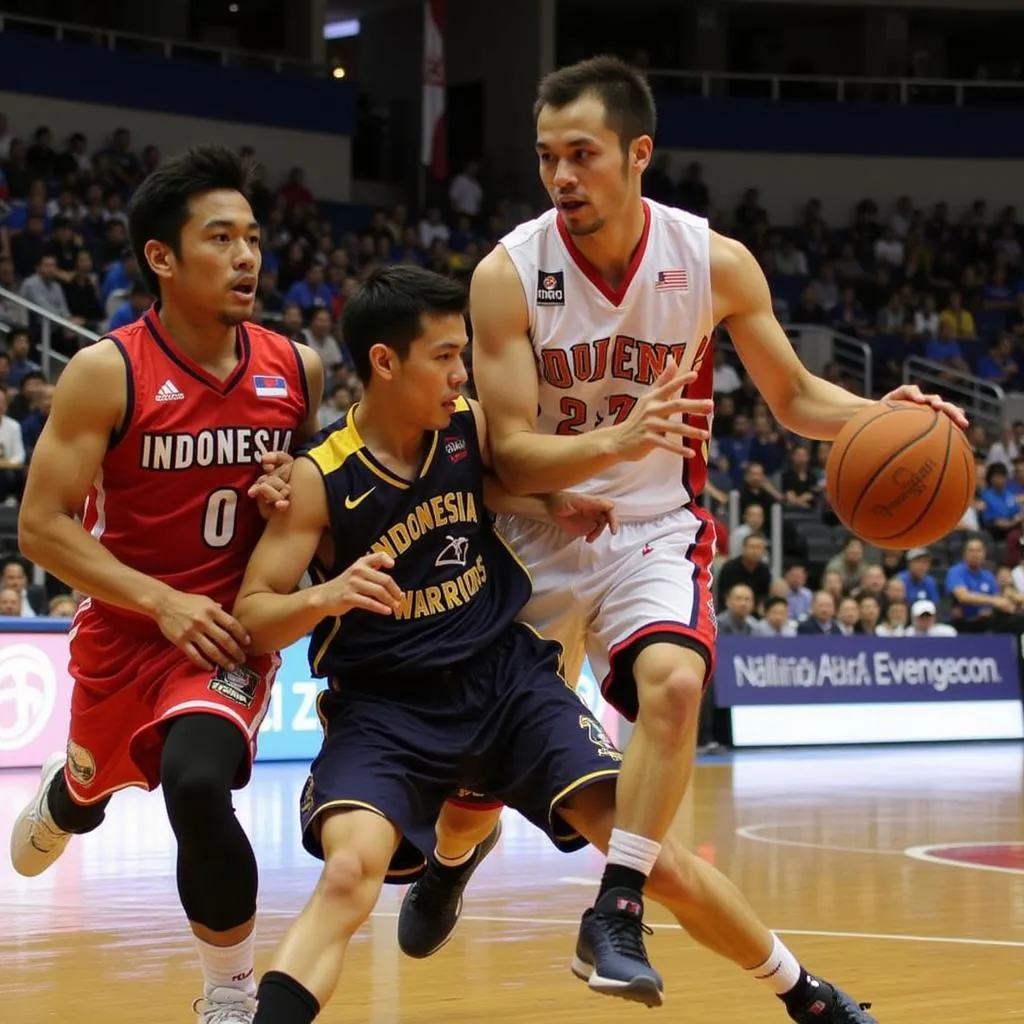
pixel 655 419
pixel 912 393
pixel 581 515
pixel 272 489
pixel 364 585
pixel 203 630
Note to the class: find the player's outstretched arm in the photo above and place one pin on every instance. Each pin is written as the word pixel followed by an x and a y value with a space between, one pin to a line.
pixel 268 605
pixel 505 372
pixel 800 401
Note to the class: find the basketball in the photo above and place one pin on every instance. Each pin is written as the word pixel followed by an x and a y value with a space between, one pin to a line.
pixel 900 475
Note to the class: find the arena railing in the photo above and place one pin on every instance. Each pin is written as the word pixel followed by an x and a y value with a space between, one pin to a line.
pixel 707 84
pixel 48 320
pixel 837 88
pixel 115 39
pixel 817 346
pixel 982 400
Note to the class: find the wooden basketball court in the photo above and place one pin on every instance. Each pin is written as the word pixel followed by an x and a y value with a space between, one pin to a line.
pixel 897 872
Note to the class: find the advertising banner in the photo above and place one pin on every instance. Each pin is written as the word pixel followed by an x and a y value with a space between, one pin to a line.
pixel 35 698
pixel 35 695
pixel 754 671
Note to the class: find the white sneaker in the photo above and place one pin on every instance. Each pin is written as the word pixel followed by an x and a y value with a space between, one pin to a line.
pixel 225 1006
pixel 36 842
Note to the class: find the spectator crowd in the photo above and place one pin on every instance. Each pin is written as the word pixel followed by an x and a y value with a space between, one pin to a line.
pixel 906 282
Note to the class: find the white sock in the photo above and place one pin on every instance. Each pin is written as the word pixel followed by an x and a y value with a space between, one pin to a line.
pixel 229 966
pixel 633 851
pixel 780 972
pixel 453 862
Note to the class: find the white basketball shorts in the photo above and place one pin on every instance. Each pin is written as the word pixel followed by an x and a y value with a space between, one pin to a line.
pixel 650 581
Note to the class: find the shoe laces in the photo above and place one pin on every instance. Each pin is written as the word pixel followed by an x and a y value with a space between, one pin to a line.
pixel 214 1011
pixel 435 895
pixel 626 935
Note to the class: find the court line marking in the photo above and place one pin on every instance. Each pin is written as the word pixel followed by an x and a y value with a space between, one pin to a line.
pixel 155 916
pixel 659 926
pixel 751 832
pixel 923 853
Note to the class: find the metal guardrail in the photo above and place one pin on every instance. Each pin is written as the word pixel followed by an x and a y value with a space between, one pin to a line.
pixel 839 89
pixel 817 345
pixel 115 39
pixel 48 319
pixel 982 400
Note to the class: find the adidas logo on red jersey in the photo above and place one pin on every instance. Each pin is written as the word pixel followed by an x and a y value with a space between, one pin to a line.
pixel 168 392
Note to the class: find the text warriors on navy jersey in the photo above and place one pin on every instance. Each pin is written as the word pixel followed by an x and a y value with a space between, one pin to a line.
pixel 462 585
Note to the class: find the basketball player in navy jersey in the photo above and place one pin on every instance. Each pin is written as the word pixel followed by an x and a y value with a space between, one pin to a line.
pixel 588 323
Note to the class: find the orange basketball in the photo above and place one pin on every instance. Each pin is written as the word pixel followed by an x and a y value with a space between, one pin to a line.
pixel 900 475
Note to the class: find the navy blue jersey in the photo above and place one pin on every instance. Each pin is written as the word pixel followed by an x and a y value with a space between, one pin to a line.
pixel 461 583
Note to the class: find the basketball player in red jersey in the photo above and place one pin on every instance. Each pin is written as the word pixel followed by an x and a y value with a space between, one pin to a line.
pixel 158 437
pixel 588 322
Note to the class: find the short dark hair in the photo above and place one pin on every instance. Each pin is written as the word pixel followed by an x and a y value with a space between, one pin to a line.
pixel 389 308
pixel 622 89
pixel 774 602
pixel 159 209
pixel 995 469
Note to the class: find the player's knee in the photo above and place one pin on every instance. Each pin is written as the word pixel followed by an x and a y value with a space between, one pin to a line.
pixel 194 797
pixel 346 885
pixel 670 696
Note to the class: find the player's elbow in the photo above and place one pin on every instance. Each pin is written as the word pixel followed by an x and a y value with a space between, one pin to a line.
pixel 245 613
pixel 262 641
pixel 35 527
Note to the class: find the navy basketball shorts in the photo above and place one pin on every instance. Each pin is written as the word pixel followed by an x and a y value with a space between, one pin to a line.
pixel 506 725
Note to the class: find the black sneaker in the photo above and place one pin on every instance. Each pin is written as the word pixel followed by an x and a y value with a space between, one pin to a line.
pixel 433 904
pixel 830 1005
pixel 610 954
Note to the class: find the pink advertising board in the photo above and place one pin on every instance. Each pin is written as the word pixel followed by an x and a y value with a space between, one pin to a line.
pixel 35 696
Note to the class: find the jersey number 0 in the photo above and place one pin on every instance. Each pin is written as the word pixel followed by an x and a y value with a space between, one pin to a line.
pixel 219 517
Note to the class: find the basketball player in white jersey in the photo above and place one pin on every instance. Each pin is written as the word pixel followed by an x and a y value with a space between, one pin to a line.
pixel 588 322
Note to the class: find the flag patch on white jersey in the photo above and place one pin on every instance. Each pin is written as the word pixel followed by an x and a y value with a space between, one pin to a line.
pixel 550 288
pixel 672 280
pixel 270 387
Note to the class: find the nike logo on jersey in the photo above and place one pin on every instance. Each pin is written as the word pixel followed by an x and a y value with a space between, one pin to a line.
pixel 168 392
pixel 351 503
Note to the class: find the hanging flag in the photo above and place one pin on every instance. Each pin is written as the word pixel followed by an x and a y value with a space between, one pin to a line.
pixel 434 149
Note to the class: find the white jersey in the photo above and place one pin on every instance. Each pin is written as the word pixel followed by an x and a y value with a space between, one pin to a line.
pixel 599 350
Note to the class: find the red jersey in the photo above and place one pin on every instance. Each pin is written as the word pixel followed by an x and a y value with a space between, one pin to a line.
pixel 171 498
